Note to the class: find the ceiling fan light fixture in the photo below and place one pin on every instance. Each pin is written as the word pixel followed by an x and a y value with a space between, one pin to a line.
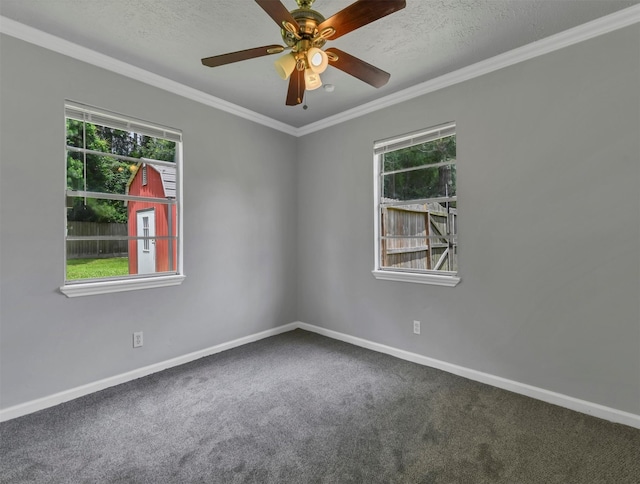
pixel 317 60
pixel 305 31
pixel 311 80
pixel 285 65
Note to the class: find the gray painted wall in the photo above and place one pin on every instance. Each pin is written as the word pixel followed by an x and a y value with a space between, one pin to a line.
pixel 549 203
pixel 549 182
pixel 240 232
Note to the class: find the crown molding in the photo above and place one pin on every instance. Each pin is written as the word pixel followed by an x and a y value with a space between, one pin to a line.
pixel 575 35
pixel 615 21
pixel 75 51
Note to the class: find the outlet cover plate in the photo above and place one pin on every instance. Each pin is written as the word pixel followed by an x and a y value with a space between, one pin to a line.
pixel 137 339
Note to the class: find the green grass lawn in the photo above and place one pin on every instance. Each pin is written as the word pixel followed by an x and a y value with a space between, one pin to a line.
pixel 94 268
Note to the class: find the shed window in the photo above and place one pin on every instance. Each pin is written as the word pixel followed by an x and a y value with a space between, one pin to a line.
pixel 116 167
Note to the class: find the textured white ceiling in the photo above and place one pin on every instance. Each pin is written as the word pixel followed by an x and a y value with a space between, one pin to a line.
pixel 427 39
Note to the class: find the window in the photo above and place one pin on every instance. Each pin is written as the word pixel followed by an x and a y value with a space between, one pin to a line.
pixel 123 203
pixel 416 207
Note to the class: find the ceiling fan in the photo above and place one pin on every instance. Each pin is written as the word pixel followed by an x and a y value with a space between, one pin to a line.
pixel 305 31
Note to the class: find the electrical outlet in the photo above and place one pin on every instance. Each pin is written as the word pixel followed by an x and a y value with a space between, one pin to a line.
pixel 137 339
pixel 416 327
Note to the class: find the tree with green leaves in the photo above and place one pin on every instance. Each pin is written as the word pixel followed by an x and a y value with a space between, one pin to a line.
pixel 432 176
pixel 104 173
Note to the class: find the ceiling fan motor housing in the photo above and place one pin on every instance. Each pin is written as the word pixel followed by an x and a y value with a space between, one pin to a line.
pixel 308 21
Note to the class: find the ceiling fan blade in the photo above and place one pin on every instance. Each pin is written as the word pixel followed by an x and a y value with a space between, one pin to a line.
pixel 295 94
pixel 220 60
pixel 358 68
pixel 278 12
pixel 360 13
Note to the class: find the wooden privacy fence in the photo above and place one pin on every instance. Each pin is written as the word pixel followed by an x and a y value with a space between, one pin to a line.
pixel 94 249
pixel 412 237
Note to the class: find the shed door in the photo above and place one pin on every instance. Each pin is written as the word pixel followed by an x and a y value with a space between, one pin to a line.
pixel 146 223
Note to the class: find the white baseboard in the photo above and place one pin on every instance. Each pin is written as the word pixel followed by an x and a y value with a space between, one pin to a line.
pixel 583 406
pixel 64 396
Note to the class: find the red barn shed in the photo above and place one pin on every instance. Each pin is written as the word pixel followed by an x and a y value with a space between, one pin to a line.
pixel 149 219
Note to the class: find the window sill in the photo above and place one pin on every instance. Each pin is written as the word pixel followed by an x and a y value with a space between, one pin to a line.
pixel 418 278
pixel 105 287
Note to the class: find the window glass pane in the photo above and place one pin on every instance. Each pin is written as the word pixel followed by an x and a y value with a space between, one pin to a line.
pixel 104 211
pixel 426 253
pixel 75 171
pixel 95 173
pixel 158 149
pixel 105 174
pixel 95 210
pixel 150 180
pixel 145 235
pixel 75 135
pixel 419 237
pixel 95 267
pixel 436 151
pixel 431 219
pixel 88 258
pixel 118 142
pixel 95 259
pixel 434 182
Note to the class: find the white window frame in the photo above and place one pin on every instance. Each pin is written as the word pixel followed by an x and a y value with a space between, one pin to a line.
pixel 438 278
pixel 129 283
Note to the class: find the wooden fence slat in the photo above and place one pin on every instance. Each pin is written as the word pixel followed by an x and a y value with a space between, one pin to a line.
pixel 421 224
pixel 94 249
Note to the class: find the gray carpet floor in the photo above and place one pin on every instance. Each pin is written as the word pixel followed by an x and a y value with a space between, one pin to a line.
pixel 302 408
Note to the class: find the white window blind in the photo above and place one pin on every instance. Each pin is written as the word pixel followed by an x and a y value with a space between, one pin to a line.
pixel 415 138
pixel 81 112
